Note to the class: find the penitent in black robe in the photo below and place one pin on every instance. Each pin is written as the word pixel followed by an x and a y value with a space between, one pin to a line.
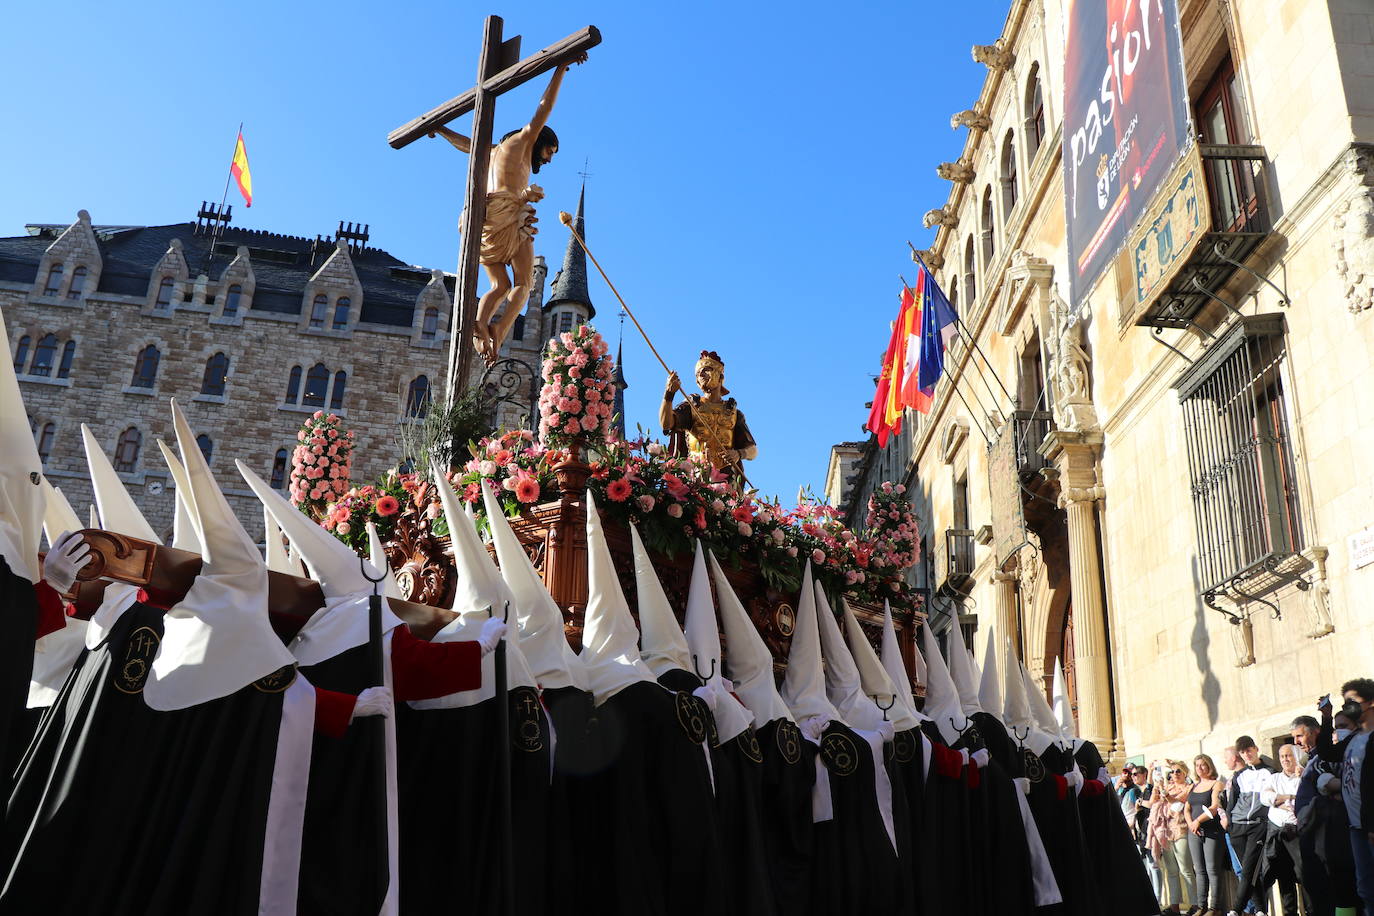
pixel 18 628
pixel 121 809
pixel 1118 872
pixel 856 868
pixel 653 832
pixel 945 867
pixel 450 805
pixel 1055 808
pixel 1000 826
pixel 901 753
pixel 788 774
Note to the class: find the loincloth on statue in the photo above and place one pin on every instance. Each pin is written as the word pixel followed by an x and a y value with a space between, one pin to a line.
pixel 509 224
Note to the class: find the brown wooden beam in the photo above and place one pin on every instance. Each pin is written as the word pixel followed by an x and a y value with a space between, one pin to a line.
pixel 512 76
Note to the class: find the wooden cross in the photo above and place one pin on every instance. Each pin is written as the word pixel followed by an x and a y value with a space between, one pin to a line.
pixel 499 70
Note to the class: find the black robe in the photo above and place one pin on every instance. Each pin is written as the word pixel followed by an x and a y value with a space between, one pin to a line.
pixel 945 868
pixel 899 755
pixel 787 777
pixel 570 713
pixel 1055 808
pixel 1114 858
pixel 449 804
pixel 998 814
pixel 120 809
pixel 652 837
pixel 18 627
pixel 856 868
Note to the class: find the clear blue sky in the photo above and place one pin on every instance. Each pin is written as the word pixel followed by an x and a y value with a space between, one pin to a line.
pixel 756 168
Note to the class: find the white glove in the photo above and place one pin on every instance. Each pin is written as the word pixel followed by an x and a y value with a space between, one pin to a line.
pixel 707 694
pixel 492 631
pixel 813 727
pixel 374 701
pixel 981 757
pixel 69 554
pixel 886 730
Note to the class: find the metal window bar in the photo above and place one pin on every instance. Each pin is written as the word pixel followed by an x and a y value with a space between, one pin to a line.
pixel 959 552
pixel 1240 460
pixel 1235 175
pixel 1030 428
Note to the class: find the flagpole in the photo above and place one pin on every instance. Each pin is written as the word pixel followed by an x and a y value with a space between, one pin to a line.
pixel 223 199
pixel 981 405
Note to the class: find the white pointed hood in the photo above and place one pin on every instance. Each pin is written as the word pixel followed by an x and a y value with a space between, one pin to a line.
pixel 803 686
pixel 58 514
pixel 990 686
pixel 961 671
pixel 872 675
pixel 542 637
pixel 749 664
pixel 118 513
pixel 1062 712
pixel 21 500
pixel 1015 706
pixel 94 515
pixel 610 642
pixel 843 686
pixel 274 548
pixel 663 645
pixel 376 555
pixel 480 596
pixel 184 533
pixel 703 639
pixel 942 697
pixel 896 671
pixel 918 666
pixel 1039 705
pixel 217 639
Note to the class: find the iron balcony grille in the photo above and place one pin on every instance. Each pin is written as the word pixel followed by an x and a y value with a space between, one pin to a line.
pixel 1030 428
pixel 1240 458
pixel 958 553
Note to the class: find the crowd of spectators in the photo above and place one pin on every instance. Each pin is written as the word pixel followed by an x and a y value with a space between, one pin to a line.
pixel 1218 842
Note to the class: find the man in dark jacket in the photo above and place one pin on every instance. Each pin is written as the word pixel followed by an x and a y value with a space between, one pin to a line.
pixel 1249 819
pixel 1359 804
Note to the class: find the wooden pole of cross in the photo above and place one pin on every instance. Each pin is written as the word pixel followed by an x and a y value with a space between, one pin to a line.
pixel 499 70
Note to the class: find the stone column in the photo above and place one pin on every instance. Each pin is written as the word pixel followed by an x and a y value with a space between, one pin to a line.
pixel 1074 453
pixel 1004 606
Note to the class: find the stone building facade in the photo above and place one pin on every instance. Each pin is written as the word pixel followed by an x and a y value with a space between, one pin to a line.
pixel 249 330
pixel 1171 498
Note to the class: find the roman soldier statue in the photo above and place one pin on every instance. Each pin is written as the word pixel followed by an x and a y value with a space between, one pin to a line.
pixel 708 424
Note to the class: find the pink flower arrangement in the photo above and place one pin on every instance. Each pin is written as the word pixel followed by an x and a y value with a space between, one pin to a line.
pixel 321 464
pixel 576 401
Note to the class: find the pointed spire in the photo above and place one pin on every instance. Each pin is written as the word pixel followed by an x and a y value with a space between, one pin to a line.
pixel 896 671
pixel 570 283
pixel 118 512
pixel 749 664
pixel 542 637
pixel 21 501
pixel 58 514
pixel 990 687
pixel 610 641
pixel 803 686
pixel 703 639
pixel 184 533
pixel 663 645
pixel 618 421
pixel 377 555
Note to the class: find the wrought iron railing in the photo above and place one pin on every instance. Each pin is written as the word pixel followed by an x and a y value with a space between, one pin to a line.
pixel 1030 427
pixel 958 553
pixel 1236 186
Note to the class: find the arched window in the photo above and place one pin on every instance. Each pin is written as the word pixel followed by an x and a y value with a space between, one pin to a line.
pixel 45 441
pixel 430 327
pixel 316 383
pixel 231 301
pixel 518 331
pixel 64 368
pixel 1008 173
pixel 78 283
pixel 279 469
pixel 44 356
pixel 216 371
pixel 970 280
pixel 145 370
pixel 318 310
pixel 986 225
pixel 341 313
pixel 293 385
pixel 1035 114
pixel 54 280
pixel 417 398
pixel 21 354
pixel 164 295
pixel 207 447
pixel 126 452
pixel 337 395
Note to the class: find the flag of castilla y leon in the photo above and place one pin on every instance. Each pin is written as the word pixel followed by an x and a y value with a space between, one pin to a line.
pixel 239 169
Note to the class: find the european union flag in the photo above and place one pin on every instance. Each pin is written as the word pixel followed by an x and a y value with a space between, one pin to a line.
pixel 937 330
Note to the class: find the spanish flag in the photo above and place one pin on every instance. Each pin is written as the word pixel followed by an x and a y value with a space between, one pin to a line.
pixel 239 169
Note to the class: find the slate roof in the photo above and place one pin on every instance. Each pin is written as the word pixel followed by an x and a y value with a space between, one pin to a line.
pixel 570 283
pixel 282 265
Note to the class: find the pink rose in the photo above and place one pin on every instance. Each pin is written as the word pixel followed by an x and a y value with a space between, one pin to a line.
pixel 792 550
pixel 675 510
pixel 318 415
pixel 646 503
pixel 717 505
pixel 487 468
pixel 777 535
pixel 818 556
pixel 745 529
pixel 344 528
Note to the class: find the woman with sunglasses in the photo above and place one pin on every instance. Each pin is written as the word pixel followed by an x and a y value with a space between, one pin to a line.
pixel 1206 839
pixel 1169 836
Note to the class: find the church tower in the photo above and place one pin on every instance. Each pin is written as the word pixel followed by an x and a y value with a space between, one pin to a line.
pixel 618 422
pixel 569 303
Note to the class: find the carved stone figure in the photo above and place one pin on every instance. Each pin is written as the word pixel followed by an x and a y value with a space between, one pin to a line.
pixel 508 230
pixel 708 424
pixel 944 216
pixel 932 258
pixel 961 171
pixel 970 118
pixel 994 56
pixel 1354 246
pixel 1073 407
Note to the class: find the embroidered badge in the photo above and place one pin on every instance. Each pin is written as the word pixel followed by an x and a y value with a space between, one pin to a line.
pixel 840 755
pixel 693 716
pixel 1034 766
pixel 278 680
pixel 749 743
pixel 139 653
pixel 526 733
pixel 904 747
pixel 788 738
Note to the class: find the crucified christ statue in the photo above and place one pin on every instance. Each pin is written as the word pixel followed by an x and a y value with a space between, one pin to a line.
pixel 508 231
